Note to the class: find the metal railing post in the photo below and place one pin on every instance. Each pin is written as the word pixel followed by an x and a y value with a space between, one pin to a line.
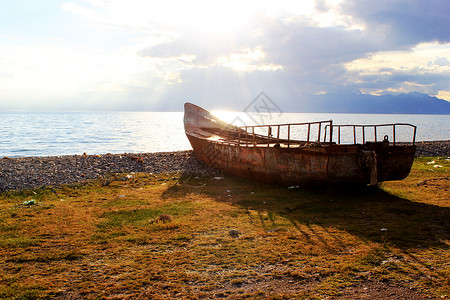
pixel 253 134
pixel 320 127
pixel 393 130
pixel 246 139
pixel 278 134
pixel 339 134
pixel 289 135
pixel 309 131
pixel 331 132
pixel 364 134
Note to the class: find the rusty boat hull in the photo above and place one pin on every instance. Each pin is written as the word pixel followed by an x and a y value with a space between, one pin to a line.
pixel 273 159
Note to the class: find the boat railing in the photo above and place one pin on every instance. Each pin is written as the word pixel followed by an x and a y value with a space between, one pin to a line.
pixel 281 133
pixel 325 132
pixel 370 133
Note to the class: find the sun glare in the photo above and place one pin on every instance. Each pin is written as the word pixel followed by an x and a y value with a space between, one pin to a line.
pixel 215 16
pixel 202 15
pixel 225 115
pixel 210 16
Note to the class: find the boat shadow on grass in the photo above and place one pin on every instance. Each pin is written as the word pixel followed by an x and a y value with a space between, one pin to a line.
pixel 369 213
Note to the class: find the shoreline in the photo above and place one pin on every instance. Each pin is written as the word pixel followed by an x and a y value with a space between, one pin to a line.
pixel 433 148
pixel 39 171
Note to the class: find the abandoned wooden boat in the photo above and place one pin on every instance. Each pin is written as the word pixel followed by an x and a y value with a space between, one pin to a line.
pixel 270 153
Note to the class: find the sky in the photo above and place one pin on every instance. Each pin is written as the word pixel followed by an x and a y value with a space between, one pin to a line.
pixel 141 55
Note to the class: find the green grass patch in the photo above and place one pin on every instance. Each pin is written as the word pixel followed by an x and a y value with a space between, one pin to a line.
pixel 143 216
pixel 21 241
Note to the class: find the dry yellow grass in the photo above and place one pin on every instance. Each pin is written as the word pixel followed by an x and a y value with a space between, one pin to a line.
pixel 227 238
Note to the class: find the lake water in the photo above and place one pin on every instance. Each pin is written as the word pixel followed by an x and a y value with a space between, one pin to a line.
pixel 60 133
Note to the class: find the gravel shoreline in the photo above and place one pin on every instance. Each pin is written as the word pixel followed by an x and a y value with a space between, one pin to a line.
pixel 35 172
pixel 433 148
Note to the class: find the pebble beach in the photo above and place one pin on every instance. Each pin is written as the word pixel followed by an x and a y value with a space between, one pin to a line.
pixel 35 172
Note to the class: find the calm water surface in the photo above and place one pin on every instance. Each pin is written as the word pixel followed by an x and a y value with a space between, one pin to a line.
pixel 47 134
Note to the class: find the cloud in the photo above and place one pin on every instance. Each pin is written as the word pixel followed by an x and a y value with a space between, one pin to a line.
pixel 403 22
pixel 6 75
pixel 205 46
pixel 441 61
pixel 299 47
pixel 148 55
pixel 420 69
pixel 45 70
pixel 370 46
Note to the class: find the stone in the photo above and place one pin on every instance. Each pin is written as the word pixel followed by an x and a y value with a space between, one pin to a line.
pixel 234 233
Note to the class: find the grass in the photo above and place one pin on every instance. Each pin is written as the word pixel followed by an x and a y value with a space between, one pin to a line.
pixel 97 240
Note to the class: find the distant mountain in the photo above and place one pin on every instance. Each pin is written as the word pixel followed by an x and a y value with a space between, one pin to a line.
pixel 412 103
